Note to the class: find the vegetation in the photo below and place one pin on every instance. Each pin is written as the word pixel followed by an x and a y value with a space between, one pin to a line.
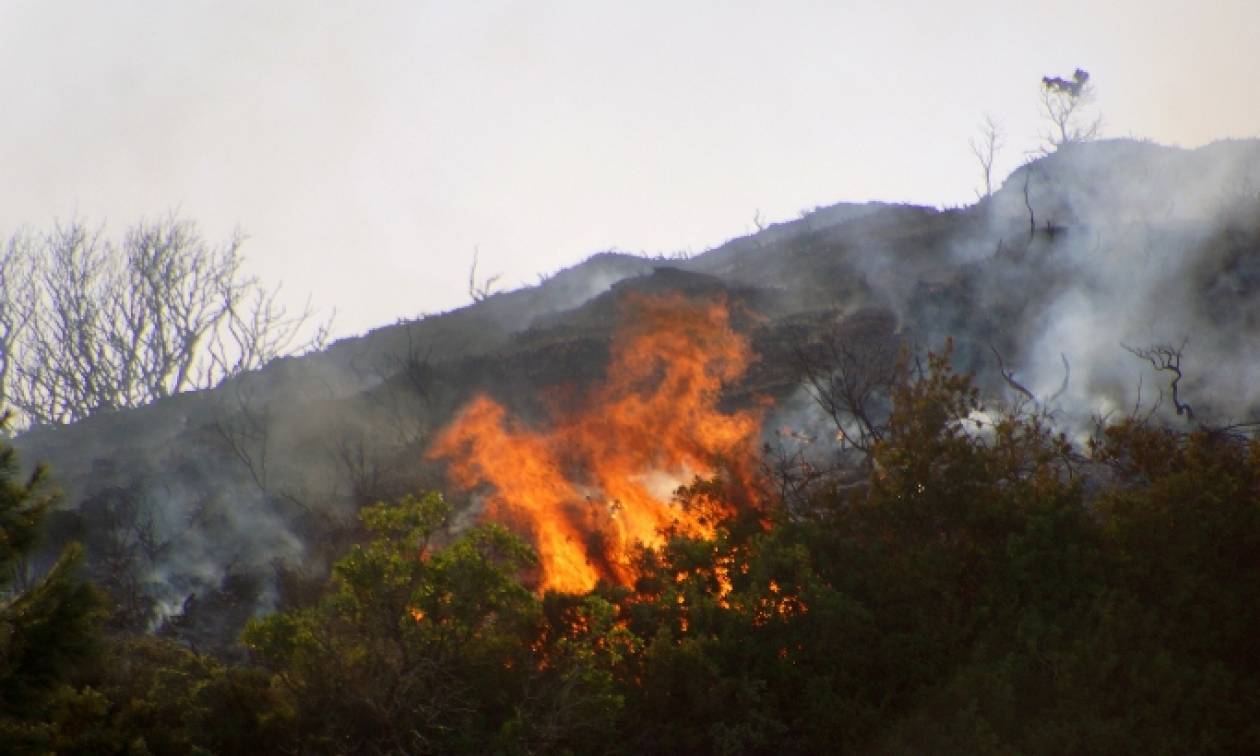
pixel 88 325
pixel 988 588
pixel 48 624
pixel 1063 102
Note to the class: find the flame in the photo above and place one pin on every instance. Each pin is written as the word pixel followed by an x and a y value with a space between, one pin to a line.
pixel 599 478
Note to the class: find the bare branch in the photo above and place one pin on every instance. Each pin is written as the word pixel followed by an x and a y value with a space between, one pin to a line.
pixel 849 372
pixel 1166 358
pixel 1032 217
pixel 245 430
pixel 1009 376
pixel 986 148
pixel 88 326
pixel 480 291
pixel 1040 406
pixel 1067 376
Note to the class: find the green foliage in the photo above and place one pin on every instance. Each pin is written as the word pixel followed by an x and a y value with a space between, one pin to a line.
pixel 153 696
pixel 48 625
pixel 425 649
pixel 988 589
pixel 968 599
pixel 23 507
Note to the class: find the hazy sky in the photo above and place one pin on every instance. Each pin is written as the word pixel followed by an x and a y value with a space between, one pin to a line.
pixel 367 148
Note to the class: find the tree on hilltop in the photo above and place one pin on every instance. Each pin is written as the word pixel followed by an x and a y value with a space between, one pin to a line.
pixel 1063 104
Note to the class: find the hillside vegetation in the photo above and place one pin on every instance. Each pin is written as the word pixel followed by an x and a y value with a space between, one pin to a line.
pixel 881 479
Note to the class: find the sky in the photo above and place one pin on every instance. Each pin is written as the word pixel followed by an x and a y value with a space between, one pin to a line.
pixel 368 149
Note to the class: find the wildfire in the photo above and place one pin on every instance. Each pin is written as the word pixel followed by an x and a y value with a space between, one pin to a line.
pixel 599 478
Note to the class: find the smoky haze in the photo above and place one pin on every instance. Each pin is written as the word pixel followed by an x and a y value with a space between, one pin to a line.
pixel 220 502
pixel 1156 247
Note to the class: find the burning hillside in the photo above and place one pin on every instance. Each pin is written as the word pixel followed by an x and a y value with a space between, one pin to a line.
pixel 881 597
pixel 204 493
pixel 599 477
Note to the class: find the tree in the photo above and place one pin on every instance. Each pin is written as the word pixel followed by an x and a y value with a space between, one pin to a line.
pixel 1063 102
pixel 849 370
pixel 426 643
pixel 1167 358
pixel 414 649
pixel 87 325
pixel 48 625
pixel 17 303
pixel 479 290
pixel 985 147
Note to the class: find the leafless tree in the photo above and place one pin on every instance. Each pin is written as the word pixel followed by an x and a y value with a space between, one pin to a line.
pixel 1063 104
pixel 87 325
pixel 849 371
pixel 1167 358
pixel 1032 216
pixel 787 466
pixel 1040 407
pixel 985 147
pixel 402 383
pixel 17 305
pixel 480 290
pixel 244 425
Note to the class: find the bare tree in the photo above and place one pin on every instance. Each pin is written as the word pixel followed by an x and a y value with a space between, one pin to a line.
pixel 1167 358
pixel 1027 399
pixel 788 464
pixel 87 325
pixel 244 425
pixel 17 304
pixel 758 221
pixel 1063 104
pixel 483 289
pixel 850 371
pixel 1032 216
pixel 985 147
pixel 403 387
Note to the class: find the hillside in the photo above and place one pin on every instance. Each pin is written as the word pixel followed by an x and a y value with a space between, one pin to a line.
pixel 229 498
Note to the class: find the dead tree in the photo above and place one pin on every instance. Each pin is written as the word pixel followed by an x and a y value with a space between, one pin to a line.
pixel 87 325
pixel 1027 397
pixel 785 463
pixel 1167 358
pixel 850 371
pixel 402 386
pixel 17 305
pixel 1032 216
pixel 244 425
pixel 479 290
pixel 986 148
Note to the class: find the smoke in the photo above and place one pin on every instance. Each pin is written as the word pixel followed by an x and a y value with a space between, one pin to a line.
pixel 1132 245
pixel 1136 246
pixel 211 492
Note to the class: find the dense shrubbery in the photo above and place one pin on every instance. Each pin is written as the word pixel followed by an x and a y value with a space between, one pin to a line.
pixel 989 589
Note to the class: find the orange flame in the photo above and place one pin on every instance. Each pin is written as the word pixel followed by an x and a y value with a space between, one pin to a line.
pixel 599 480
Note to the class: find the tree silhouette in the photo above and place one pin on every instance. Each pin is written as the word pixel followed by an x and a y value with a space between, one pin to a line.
pixel 1063 102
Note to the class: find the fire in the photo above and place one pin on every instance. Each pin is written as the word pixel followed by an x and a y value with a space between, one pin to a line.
pixel 599 478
